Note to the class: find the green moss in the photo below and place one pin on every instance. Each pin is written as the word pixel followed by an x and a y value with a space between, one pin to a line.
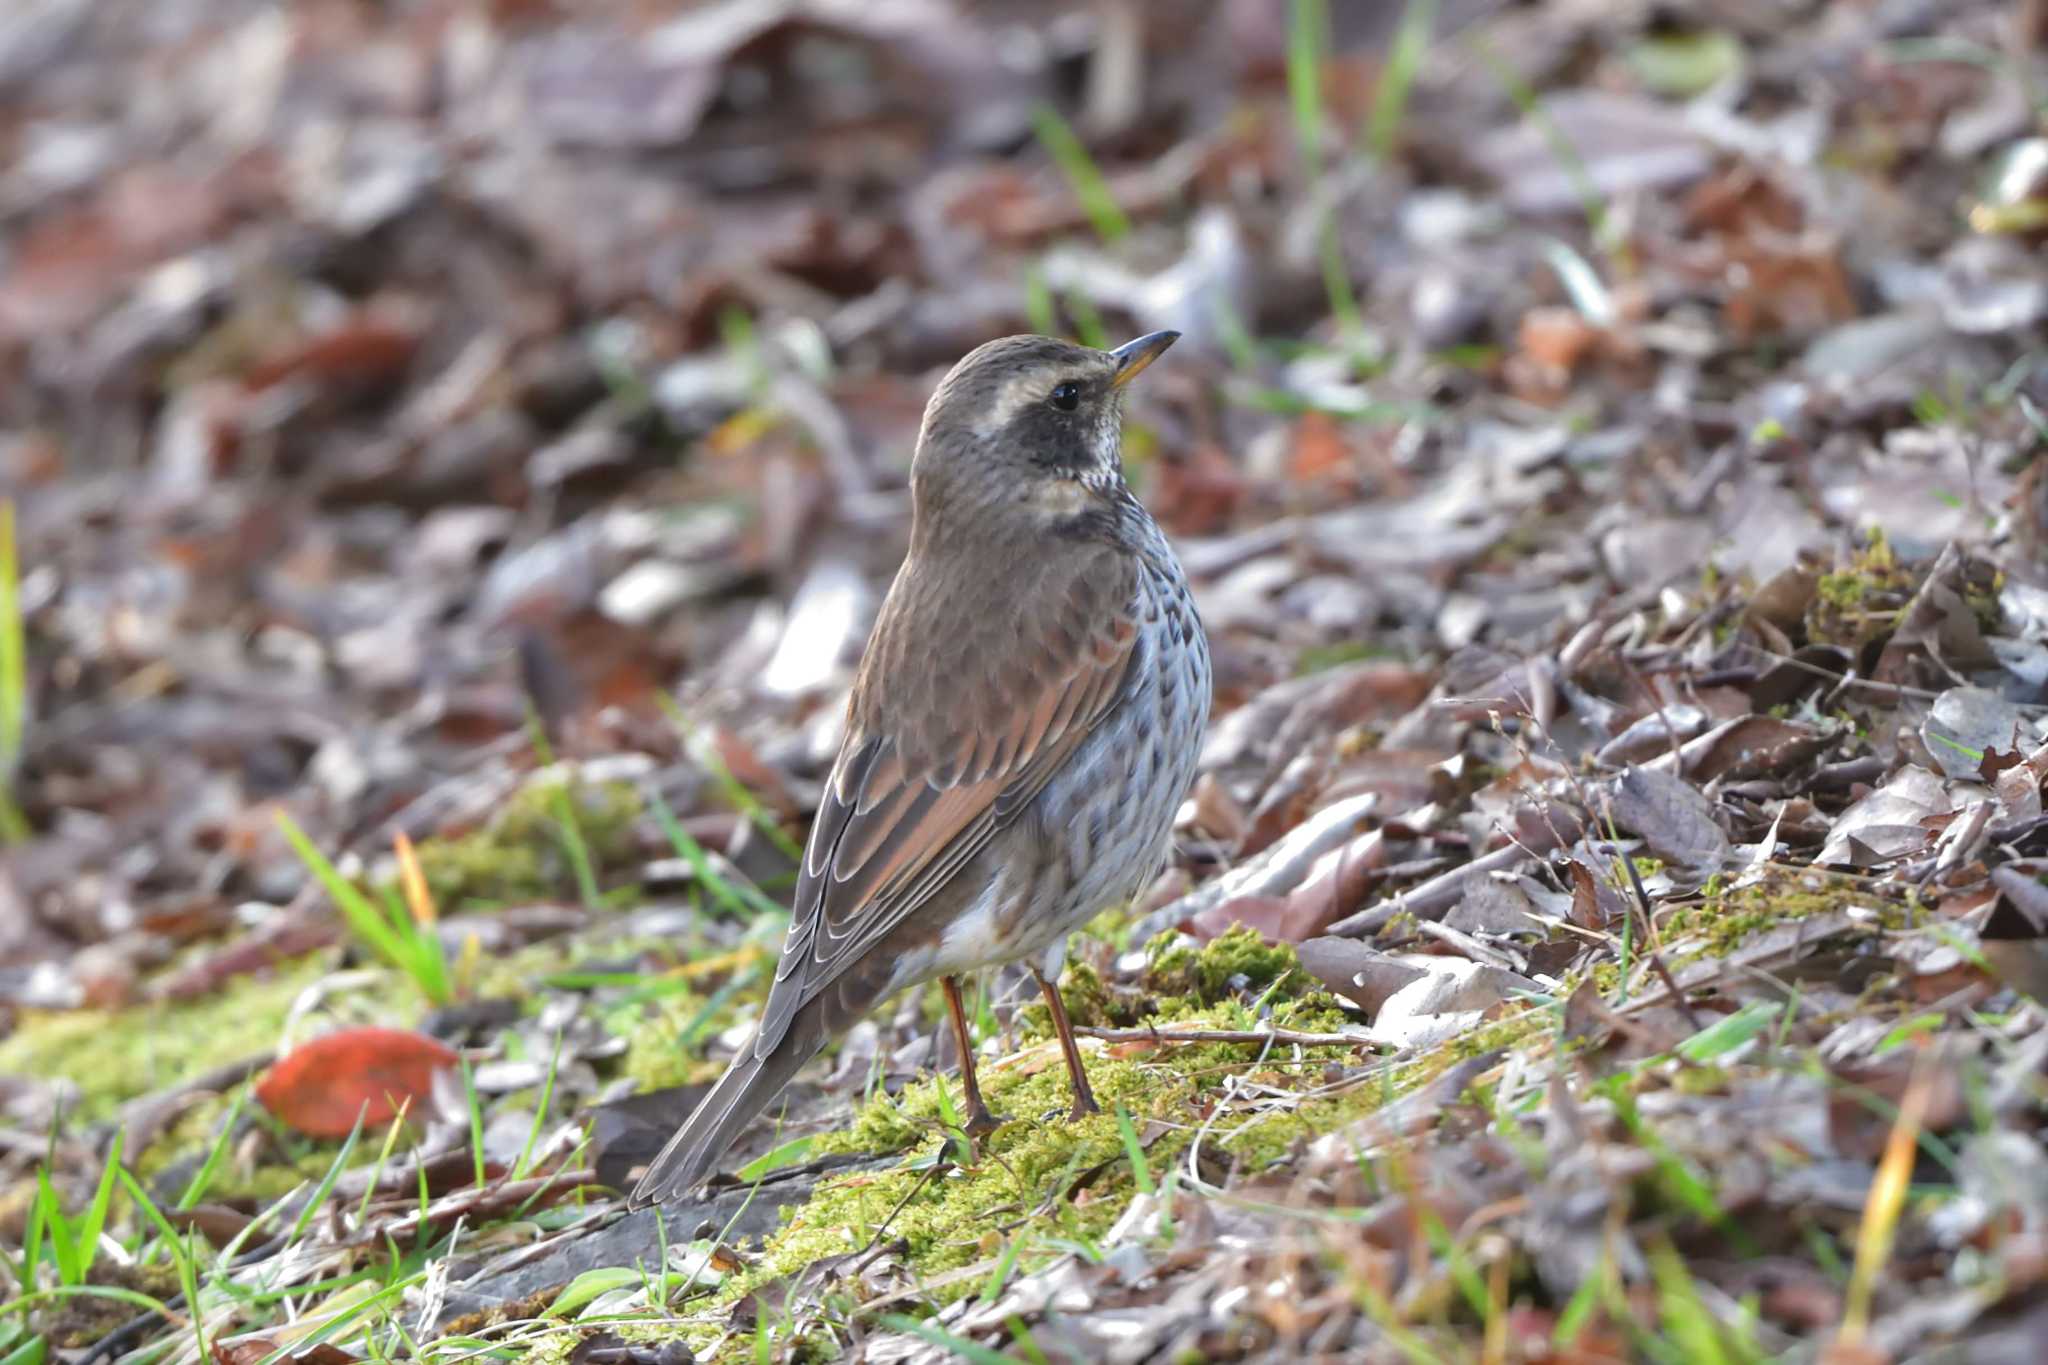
pixel 1050 1181
pixel 1027 1165
pixel 1722 920
pixel 1321 658
pixel 1858 602
pixel 657 1053
pixel 1170 956
pixel 665 1033
pixel 521 856
pixel 1024 1169
pixel 1090 1003
pixel 116 1055
pixel 1275 1135
pixel 1208 973
pixel 1982 589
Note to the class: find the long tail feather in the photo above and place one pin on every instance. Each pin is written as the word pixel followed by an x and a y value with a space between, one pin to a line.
pixel 748 1086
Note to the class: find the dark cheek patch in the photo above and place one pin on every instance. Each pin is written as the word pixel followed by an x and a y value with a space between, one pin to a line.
pixel 1054 440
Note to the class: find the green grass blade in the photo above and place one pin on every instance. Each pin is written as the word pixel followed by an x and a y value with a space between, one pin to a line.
pixel 734 790
pixel 14 827
pixel 693 1028
pixel 1578 1311
pixel 570 830
pixel 1308 26
pixel 740 898
pixel 32 1351
pixel 1038 304
pixel 1089 328
pixel 1561 146
pixel 1397 77
pixel 1141 1169
pixel 63 1239
pixel 787 1154
pixel 95 1216
pixel 32 1240
pixel 390 932
pixel 326 1185
pixel 1731 1031
pixel 540 1114
pixel 1006 1265
pixel 366 919
pixel 202 1179
pixel 963 1348
pixel 476 1120
pixel 1084 177
pixel 149 1209
pixel 1687 1323
pixel 586 1287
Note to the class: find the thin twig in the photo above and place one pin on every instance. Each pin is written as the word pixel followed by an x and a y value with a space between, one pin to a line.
pixel 1841 680
pixel 1650 951
pixel 1430 899
pixel 1191 1035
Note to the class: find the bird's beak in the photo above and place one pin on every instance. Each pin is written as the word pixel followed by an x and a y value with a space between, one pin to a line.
pixel 1134 356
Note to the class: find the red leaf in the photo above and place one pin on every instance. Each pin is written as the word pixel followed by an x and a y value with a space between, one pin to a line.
pixel 320 1088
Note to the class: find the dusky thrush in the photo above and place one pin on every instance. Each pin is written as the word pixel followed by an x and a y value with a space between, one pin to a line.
pixel 1022 728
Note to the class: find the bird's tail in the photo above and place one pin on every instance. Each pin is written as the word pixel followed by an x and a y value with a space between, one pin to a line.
pixel 749 1085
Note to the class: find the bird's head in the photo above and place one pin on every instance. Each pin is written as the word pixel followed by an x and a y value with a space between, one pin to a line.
pixel 1029 424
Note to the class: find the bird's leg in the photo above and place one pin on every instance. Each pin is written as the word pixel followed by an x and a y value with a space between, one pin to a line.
pixel 1084 1097
pixel 980 1122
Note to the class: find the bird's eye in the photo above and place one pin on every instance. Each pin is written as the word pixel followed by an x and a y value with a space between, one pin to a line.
pixel 1066 397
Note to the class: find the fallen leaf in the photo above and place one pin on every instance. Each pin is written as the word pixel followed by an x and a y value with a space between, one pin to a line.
pixel 1970 724
pixel 1754 746
pixel 1320 450
pixel 1674 821
pixel 1363 975
pixel 322 1088
pixel 1889 823
pixel 1451 997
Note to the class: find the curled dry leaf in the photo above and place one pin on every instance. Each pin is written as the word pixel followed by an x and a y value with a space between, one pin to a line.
pixel 1752 746
pixel 1451 997
pixel 1365 976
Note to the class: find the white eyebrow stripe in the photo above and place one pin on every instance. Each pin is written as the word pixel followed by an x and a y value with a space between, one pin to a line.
pixel 1016 392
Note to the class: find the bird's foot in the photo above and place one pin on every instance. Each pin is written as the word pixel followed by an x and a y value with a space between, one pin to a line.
pixel 1084 1107
pixel 980 1122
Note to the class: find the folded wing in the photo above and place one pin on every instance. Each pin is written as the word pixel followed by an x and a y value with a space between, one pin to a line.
pixel 950 735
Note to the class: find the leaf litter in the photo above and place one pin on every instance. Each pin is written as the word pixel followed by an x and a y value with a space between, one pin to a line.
pixel 1607 447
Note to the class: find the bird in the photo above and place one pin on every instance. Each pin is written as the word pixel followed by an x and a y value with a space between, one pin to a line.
pixel 1023 726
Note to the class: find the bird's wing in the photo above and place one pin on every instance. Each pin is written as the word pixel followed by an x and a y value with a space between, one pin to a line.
pixel 957 721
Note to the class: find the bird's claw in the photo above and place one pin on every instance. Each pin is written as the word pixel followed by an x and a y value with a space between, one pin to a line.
pixel 980 1122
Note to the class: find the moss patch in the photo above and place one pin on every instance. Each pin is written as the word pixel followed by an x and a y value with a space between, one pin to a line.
pixel 665 1033
pixel 1043 1175
pixel 1860 601
pixel 1721 921
pixel 115 1055
pixel 1065 1178
pixel 1211 971
pixel 521 855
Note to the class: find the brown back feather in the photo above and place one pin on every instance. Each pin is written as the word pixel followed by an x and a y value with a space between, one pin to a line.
pixel 959 716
